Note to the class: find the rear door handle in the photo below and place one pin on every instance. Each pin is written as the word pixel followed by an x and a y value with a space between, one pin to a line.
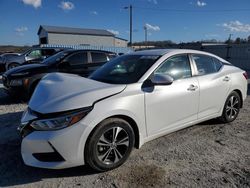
pixel 226 78
pixel 192 87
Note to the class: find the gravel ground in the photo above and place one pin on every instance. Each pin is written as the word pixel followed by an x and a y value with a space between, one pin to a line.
pixel 206 155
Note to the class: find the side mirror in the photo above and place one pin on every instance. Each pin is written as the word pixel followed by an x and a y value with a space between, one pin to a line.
pixel 159 79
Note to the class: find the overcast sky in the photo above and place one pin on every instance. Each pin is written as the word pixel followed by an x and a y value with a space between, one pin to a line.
pixel 176 20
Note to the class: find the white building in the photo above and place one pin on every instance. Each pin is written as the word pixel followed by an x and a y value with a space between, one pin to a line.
pixel 78 36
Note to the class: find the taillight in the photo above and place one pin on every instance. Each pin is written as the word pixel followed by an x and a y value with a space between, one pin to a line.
pixel 245 75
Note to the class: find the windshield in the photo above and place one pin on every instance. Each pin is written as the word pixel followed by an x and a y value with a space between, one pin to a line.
pixel 126 69
pixel 55 58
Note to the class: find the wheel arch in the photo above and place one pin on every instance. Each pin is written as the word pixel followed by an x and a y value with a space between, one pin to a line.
pixel 241 97
pixel 130 120
pixel 8 64
pixel 134 126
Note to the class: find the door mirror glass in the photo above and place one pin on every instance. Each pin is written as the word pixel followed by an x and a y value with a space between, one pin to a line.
pixel 162 79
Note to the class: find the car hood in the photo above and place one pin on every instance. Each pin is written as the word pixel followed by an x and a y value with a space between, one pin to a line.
pixel 58 92
pixel 27 69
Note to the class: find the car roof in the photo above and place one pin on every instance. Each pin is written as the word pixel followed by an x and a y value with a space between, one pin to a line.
pixel 87 50
pixel 161 52
pixel 158 52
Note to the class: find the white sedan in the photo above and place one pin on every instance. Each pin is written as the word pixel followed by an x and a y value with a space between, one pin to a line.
pixel 135 98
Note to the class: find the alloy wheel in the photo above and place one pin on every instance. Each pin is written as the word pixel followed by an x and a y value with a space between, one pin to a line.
pixel 232 107
pixel 112 145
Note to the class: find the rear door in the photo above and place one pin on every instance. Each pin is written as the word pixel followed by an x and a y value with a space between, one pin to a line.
pixel 213 82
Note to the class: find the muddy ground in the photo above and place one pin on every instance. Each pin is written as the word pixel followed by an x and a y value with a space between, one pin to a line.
pixel 206 155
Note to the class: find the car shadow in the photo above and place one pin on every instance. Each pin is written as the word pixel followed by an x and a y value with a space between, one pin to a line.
pixel 6 99
pixel 215 121
pixel 13 172
pixel 248 91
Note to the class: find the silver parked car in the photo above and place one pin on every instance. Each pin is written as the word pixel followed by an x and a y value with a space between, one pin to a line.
pixel 127 102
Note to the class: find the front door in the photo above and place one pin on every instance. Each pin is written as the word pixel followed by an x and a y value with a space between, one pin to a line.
pixel 75 63
pixel 171 106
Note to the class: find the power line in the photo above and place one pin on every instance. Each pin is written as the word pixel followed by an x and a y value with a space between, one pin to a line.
pixel 193 11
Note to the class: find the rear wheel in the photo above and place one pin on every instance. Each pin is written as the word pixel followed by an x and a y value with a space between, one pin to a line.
pixel 231 107
pixel 110 144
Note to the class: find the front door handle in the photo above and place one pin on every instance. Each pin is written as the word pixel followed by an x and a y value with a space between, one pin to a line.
pixel 192 87
pixel 226 78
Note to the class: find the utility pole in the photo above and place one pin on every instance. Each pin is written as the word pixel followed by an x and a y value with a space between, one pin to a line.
pixel 130 24
pixel 228 46
pixel 146 34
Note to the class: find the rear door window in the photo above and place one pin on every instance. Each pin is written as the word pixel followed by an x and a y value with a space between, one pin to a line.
pixel 205 64
pixel 48 52
pixel 98 57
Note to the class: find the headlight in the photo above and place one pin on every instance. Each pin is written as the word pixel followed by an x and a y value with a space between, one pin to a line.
pixel 59 122
pixel 16 82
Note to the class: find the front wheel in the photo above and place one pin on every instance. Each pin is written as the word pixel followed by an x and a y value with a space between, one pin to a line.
pixel 13 65
pixel 110 144
pixel 231 107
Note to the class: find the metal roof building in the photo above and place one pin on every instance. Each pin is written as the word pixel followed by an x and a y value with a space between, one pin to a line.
pixel 78 36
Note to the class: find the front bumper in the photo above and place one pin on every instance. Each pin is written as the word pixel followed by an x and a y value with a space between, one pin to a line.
pixel 2 68
pixel 55 149
pixel 15 91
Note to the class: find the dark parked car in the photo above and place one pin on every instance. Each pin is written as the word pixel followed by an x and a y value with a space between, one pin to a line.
pixel 3 57
pixel 32 55
pixel 21 81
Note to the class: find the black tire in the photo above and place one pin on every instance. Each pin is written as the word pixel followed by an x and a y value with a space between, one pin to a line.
pixel 32 88
pixel 12 65
pixel 102 142
pixel 231 108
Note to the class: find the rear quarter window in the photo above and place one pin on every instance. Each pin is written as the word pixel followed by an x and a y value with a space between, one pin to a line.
pixel 217 64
